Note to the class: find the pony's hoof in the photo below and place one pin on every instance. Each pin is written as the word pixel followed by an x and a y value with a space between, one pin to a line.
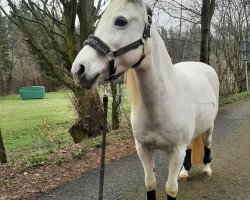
pixel 151 195
pixel 207 171
pixel 183 178
pixel 170 197
pixel 183 175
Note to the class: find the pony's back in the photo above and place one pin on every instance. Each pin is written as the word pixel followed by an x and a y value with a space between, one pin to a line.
pixel 198 75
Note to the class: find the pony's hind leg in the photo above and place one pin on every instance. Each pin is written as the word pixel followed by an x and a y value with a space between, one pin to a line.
pixel 176 158
pixel 146 156
pixel 207 156
pixel 187 164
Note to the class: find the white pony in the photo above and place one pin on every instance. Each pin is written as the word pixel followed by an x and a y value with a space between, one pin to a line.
pixel 172 105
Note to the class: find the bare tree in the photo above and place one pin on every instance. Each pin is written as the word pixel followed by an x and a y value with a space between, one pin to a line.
pixel 116 91
pixel 3 157
pixel 49 28
pixel 5 59
pixel 231 29
pixel 207 11
pixel 194 12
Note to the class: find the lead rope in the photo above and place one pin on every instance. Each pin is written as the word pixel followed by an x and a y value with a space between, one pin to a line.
pixel 104 131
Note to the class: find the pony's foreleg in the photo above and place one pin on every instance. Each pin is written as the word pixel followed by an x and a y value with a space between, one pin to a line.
pixel 176 158
pixel 207 156
pixel 146 156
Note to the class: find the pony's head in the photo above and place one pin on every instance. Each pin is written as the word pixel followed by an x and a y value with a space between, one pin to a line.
pixel 117 44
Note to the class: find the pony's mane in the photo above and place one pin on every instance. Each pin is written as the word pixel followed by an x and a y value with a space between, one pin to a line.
pixel 132 88
pixel 139 2
pixel 113 7
pixel 119 4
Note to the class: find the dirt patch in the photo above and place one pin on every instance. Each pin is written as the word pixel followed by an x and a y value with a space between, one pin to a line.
pixel 63 166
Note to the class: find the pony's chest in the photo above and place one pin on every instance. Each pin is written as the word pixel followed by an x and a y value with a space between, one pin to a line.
pixel 161 130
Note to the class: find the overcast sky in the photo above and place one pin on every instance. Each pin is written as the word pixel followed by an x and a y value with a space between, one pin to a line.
pixel 4 4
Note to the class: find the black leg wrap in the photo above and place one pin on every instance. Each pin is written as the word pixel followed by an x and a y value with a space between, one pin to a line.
pixel 171 198
pixel 187 160
pixel 151 195
pixel 207 157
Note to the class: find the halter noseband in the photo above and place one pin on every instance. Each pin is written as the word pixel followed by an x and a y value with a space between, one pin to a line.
pixel 102 48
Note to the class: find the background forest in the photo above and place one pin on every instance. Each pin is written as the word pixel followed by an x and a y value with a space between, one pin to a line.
pixel 178 22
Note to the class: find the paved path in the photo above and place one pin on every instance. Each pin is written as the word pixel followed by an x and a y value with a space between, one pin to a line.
pixel 231 167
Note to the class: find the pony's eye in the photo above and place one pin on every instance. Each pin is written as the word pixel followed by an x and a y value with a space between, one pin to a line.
pixel 121 21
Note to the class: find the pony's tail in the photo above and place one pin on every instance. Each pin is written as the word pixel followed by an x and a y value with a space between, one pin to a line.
pixel 197 150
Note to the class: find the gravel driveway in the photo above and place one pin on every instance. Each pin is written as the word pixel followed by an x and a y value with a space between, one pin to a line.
pixel 231 168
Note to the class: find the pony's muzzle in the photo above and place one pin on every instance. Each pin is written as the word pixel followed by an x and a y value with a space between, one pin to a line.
pixel 81 78
pixel 81 71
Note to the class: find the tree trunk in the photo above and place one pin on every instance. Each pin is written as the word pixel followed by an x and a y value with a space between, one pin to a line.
pixel 70 10
pixel 85 12
pixel 3 157
pixel 88 106
pixel 241 82
pixel 115 105
pixel 207 12
pixel 57 47
pixel 209 48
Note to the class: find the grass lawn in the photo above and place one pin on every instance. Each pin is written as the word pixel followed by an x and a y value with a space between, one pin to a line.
pixel 35 125
pixel 234 97
pixel 32 129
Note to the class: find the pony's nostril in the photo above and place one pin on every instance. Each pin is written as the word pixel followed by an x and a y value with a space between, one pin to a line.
pixel 81 70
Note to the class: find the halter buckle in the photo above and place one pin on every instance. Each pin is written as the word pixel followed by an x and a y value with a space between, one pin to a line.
pixel 110 56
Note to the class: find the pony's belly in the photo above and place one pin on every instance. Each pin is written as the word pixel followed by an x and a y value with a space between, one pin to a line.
pixel 163 138
pixel 205 118
pixel 164 130
pixel 155 141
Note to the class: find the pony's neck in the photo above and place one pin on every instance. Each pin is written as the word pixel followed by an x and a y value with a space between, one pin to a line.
pixel 153 78
pixel 160 59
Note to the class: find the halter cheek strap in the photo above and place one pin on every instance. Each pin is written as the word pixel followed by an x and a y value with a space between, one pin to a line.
pixel 102 48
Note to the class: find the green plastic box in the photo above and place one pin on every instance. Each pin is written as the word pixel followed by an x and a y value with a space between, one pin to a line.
pixel 34 92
